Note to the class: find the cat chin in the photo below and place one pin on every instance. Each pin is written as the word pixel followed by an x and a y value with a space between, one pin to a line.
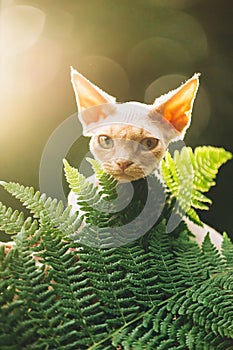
pixel 126 176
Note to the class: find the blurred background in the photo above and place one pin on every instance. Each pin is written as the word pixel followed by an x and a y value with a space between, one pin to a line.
pixel 134 50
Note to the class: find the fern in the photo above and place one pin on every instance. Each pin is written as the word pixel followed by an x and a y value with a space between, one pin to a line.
pixel 39 206
pixel 88 196
pixel 190 174
pixel 108 224
pixel 10 221
pixel 160 291
pixel 106 182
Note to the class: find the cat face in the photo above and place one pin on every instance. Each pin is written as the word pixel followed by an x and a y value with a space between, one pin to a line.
pixel 130 139
pixel 127 152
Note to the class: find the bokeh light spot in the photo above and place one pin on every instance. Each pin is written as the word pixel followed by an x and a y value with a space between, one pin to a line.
pixel 59 24
pixel 180 41
pixel 20 28
pixel 106 73
pixel 155 55
pixel 30 71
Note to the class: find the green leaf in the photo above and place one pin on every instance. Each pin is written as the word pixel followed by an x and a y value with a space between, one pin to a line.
pixel 11 222
pixel 161 291
pixel 190 174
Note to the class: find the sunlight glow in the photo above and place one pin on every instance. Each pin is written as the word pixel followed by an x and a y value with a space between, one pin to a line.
pixel 107 73
pixel 20 28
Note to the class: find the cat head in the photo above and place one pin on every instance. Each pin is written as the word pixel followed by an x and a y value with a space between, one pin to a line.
pixel 130 138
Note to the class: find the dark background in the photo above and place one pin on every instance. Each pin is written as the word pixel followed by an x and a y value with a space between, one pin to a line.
pixel 135 50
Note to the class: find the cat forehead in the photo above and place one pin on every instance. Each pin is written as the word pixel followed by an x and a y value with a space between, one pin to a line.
pixel 129 114
pixel 133 114
pixel 128 132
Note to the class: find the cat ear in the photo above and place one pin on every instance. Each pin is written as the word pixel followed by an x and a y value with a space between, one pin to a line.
pixel 89 95
pixel 176 106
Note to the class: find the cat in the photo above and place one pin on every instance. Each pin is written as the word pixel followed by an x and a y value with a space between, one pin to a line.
pixel 130 139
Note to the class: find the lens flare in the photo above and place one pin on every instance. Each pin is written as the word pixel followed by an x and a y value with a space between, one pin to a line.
pixel 21 26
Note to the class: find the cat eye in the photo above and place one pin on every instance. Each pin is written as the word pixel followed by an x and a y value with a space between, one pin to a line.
pixel 149 143
pixel 105 141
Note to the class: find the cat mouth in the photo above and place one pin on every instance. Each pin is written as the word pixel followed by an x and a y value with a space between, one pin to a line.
pixel 124 171
pixel 126 176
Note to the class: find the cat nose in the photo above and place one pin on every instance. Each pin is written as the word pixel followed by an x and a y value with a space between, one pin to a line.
pixel 124 164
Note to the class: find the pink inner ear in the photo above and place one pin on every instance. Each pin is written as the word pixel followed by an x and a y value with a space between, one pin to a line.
pixel 87 94
pixel 89 97
pixel 178 108
pixel 178 115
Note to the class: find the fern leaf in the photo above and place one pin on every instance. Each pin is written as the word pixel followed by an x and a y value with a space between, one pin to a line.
pixel 40 206
pixel 107 182
pixel 88 196
pixel 31 199
pixel 151 297
pixel 227 251
pixel 94 202
pixel 11 222
pixel 211 256
pixel 158 292
pixel 189 174
pixel 208 160
pixel 76 181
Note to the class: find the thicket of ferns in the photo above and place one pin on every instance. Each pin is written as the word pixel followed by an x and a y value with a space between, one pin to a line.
pixel 160 291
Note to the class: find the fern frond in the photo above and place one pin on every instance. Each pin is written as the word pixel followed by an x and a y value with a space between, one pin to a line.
pixel 227 251
pixel 75 179
pixel 96 202
pixel 208 160
pixel 107 182
pixel 40 206
pixel 11 221
pixel 93 200
pixel 158 292
pixel 211 256
pixel 88 196
pixel 189 174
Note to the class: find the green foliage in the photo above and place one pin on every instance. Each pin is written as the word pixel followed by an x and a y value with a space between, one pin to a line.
pixel 40 207
pixel 190 174
pixel 108 224
pixel 90 200
pixel 11 221
pixel 106 182
pixel 160 291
